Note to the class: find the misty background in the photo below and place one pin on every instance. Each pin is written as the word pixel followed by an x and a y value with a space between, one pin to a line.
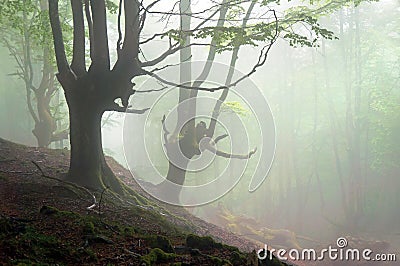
pixel 337 114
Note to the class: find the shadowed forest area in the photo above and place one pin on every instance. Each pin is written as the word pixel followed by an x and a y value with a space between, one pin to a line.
pixel 199 132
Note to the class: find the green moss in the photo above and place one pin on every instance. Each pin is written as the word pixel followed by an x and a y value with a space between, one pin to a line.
pixel 230 248
pixel 68 214
pixel 160 242
pixel 156 256
pixel 202 242
pixel 48 210
pixel 88 228
pixel 238 259
pixel 129 231
pixel 33 246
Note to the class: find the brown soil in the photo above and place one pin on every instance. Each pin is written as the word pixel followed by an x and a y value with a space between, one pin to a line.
pixel 44 220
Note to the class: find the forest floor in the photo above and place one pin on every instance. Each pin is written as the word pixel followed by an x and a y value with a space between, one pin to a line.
pixel 44 220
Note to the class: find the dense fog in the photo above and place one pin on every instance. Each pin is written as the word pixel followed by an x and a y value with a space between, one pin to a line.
pixel 336 126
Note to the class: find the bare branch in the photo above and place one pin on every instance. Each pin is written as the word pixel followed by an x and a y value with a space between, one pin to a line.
pixel 13 51
pixel 117 108
pixel 261 60
pixel 30 108
pixel 119 27
pixel 131 41
pixel 234 57
pixel 217 139
pixel 62 63
pixel 46 71
pixel 263 54
pixel 90 27
pixel 154 90
pixel 212 149
pixel 198 27
pixel 142 22
pixel 27 52
pixel 24 76
pixel 171 13
pixel 51 88
pixel 66 182
pixel 164 67
pixel 166 132
pixel 100 46
pixel 153 37
pixel 78 57
pixel 173 49
pixel 212 52
pixel 154 75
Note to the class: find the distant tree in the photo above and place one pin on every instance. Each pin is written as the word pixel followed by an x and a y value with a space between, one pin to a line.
pixel 92 91
pixel 238 25
pixel 26 35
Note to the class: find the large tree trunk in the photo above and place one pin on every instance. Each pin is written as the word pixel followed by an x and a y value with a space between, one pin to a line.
pixel 91 92
pixel 45 126
pixel 88 166
pixel 176 174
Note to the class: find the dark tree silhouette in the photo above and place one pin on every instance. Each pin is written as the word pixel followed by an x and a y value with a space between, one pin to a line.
pixel 92 91
pixel 25 28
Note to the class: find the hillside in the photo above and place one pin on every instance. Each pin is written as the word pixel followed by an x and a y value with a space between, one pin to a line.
pixel 44 220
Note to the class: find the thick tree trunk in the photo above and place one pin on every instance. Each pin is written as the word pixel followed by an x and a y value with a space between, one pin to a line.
pixel 42 134
pixel 88 166
pixel 45 126
pixel 177 166
pixel 176 174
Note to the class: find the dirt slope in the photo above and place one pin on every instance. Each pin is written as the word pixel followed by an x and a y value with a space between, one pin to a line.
pixel 44 220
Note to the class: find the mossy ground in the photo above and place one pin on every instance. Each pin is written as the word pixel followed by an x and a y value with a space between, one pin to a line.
pixel 45 222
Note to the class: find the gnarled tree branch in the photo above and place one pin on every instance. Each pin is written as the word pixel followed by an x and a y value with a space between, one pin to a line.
pixel 62 63
pixel 100 39
pixel 78 57
pixel 212 149
pixel 224 94
pixel 130 48
pixel 117 108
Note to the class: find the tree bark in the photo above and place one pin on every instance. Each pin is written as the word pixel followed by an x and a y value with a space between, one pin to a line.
pixel 88 166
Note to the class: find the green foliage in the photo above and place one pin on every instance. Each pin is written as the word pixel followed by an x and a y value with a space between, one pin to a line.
pixel 269 2
pixel 201 242
pixel 235 107
pixel 160 242
pixel 112 7
pixel 234 12
pixel 157 256
pixel 291 26
pixel 25 18
pixel 302 17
